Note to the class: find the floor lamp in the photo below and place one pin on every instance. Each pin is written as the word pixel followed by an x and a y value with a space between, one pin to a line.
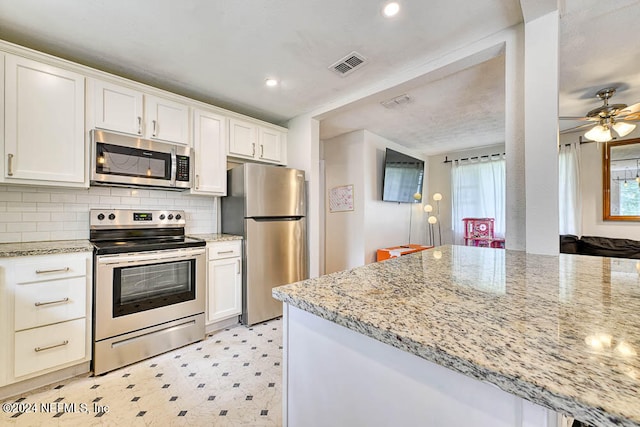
pixel 432 220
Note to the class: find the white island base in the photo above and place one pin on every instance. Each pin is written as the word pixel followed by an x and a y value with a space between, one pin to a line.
pixel 335 377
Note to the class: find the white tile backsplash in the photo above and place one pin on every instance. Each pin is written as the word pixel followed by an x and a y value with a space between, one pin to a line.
pixel 40 213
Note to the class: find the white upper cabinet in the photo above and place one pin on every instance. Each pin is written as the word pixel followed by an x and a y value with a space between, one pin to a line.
pixel 272 144
pixel 117 108
pixel 242 139
pixel 248 140
pixel 44 124
pixel 121 109
pixel 209 157
pixel 167 120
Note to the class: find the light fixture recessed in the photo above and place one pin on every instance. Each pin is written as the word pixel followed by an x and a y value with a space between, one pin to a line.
pixel 391 9
pixel 271 82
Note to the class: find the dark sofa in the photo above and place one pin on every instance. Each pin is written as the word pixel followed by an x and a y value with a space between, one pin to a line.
pixel 600 246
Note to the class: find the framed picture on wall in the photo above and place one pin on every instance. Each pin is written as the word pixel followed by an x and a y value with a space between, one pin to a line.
pixel 341 198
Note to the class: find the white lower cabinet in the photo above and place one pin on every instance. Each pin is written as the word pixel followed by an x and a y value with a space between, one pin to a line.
pixel 224 281
pixel 46 314
pixel 49 346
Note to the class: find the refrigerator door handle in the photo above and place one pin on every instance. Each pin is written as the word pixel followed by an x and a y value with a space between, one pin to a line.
pixel 276 218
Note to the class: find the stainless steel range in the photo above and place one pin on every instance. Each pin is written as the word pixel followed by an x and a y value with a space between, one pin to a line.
pixel 149 285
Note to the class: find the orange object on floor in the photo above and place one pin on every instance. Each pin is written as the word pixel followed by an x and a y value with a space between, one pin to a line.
pixel 396 251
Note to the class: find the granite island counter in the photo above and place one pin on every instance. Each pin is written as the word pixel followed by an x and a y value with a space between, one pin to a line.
pixel 461 335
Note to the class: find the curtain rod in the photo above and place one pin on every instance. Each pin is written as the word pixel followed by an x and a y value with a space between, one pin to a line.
pixel 446 158
pixel 487 156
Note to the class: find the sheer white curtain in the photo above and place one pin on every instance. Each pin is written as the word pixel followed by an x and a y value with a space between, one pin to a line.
pixel 570 204
pixel 478 191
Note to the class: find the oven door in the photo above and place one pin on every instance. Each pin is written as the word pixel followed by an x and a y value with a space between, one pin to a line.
pixel 142 289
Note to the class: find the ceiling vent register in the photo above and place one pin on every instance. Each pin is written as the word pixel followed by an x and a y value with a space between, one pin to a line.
pixel 348 64
pixel 397 101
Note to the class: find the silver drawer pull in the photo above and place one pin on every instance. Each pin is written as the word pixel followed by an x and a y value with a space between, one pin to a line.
pixel 57 270
pixel 225 252
pixel 39 349
pixel 38 304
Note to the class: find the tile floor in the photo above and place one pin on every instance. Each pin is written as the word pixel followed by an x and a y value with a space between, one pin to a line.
pixel 233 378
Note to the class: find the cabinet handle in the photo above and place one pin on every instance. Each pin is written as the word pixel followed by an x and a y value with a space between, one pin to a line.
pixel 238 267
pixel 56 270
pixel 253 147
pixel 225 252
pixel 39 349
pixel 197 182
pixel 10 164
pixel 155 131
pixel 139 125
pixel 38 304
pixel 261 151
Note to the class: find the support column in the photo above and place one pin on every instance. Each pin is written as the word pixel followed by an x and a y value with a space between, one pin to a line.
pixel 541 134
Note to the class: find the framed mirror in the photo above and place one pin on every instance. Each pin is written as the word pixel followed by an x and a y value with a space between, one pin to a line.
pixel 621 180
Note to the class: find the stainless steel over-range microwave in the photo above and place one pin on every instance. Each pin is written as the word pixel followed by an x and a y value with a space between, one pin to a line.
pixel 129 161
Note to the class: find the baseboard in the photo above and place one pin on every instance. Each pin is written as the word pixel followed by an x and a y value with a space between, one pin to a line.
pixel 43 380
pixel 221 324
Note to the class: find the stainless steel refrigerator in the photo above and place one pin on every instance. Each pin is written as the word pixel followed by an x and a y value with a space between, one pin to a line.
pixel 266 205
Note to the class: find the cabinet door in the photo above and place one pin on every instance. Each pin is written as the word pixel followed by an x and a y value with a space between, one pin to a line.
pixel 44 129
pixel 167 120
pixel 224 293
pixel 271 146
pixel 117 108
pixel 209 157
pixel 242 139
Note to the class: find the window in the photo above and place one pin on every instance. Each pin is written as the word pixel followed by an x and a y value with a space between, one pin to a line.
pixel 569 203
pixel 478 191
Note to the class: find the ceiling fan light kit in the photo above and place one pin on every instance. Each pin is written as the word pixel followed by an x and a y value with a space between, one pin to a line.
pixel 609 117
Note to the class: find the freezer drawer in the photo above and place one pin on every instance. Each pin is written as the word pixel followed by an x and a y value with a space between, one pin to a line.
pixel 273 192
pixel 275 255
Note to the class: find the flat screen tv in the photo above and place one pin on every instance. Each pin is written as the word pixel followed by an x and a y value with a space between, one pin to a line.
pixel 403 176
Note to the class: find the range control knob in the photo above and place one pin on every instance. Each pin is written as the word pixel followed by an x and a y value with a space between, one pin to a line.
pixel 100 217
pixel 170 216
pixel 112 216
pixel 178 216
pixel 162 216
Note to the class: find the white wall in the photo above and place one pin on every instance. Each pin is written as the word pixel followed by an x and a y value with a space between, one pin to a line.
pixel 353 237
pixel 439 181
pixel 44 213
pixel 344 238
pixel 591 192
pixel 541 134
pixel 303 152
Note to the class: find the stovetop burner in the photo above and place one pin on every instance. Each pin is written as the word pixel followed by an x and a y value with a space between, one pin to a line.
pixel 115 231
pixel 123 246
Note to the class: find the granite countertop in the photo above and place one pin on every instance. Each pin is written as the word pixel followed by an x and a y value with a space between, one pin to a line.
pixel 215 237
pixel 44 248
pixel 560 331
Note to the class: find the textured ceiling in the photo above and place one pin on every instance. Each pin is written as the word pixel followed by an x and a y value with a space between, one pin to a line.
pixel 221 51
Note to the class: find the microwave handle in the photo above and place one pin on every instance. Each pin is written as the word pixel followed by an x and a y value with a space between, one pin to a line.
pixel 174 166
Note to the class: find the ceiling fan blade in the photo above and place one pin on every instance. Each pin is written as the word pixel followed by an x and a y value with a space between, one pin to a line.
pixel 633 117
pixel 575 128
pixel 631 109
pixel 582 119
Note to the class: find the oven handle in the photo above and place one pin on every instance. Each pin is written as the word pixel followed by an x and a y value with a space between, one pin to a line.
pixel 149 256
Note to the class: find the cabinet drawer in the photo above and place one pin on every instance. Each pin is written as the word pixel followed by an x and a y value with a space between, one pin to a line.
pixel 43 303
pixel 50 267
pixel 49 346
pixel 225 250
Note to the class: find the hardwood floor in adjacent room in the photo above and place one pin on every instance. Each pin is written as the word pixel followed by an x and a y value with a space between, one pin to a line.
pixel 232 378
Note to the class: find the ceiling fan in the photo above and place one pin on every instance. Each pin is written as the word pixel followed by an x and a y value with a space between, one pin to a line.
pixel 608 117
